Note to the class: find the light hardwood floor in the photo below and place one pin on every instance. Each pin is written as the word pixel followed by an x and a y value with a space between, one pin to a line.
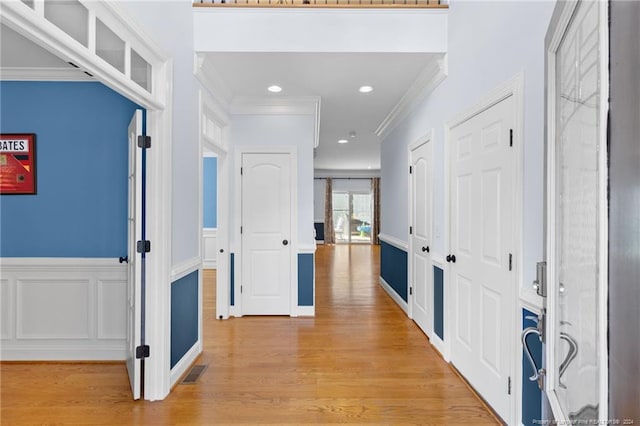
pixel 360 360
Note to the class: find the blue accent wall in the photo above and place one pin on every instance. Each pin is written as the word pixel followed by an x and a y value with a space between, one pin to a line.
pixel 210 189
pixel 232 280
pixel 184 316
pixel 305 279
pixel 319 227
pixel 531 394
pixel 393 268
pixel 438 302
pixel 80 209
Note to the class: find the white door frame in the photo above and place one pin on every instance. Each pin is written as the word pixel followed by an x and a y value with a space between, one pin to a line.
pixel 426 139
pixel 256 149
pixel 209 110
pixel 32 24
pixel 554 39
pixel 512 88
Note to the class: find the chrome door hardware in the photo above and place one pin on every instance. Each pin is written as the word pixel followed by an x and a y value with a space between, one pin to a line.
pixel 540 283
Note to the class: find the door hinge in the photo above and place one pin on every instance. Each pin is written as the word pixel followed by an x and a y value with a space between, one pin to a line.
pixel 142 351
pixel 509 386
pixel 510 137
pixel 410 291
pixel 510 261
pixel 143 246
pixel 411 230
pixel 410 169
pixel 241 229
pixel 144 141
pixel 240 289
pixel 240 171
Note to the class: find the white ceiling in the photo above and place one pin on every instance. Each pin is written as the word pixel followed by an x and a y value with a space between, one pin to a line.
pixel 335 78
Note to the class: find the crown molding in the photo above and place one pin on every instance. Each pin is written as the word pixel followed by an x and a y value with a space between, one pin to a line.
pixel 430 77
pixel 44 74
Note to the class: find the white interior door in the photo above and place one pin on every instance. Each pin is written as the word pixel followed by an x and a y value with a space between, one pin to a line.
pixel 134 299
pixel 577 209
pixel 421 271
pixel 481 249
pixel 266 234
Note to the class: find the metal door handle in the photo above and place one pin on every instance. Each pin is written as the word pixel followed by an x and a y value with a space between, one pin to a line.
pixel 451 258
pixel 573 352
pixel 123 259
pixel 425 249
pixel 537 372
pixel 221 250
pixel 285 242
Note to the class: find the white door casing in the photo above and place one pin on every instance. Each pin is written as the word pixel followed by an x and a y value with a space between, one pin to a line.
pixel 421 273
pixel 134 216
pixel 266 234
pixel 482 250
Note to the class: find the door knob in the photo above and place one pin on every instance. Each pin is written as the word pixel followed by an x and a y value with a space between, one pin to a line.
pixel 285 242
pixel 426 249
pixel 123 259
pixel 221 250
pixel 451 258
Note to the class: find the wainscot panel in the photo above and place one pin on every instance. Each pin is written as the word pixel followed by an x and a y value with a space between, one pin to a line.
pixel 393 268
pixel 531 394
pixel 210 248
pixel 63 309
pixel 184 316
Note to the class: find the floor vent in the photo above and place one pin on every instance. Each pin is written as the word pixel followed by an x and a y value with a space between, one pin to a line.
pixel 194 374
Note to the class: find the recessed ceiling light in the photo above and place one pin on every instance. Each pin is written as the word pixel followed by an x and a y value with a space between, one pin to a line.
pixel 274 89
pixel 343 141
pixel 366 89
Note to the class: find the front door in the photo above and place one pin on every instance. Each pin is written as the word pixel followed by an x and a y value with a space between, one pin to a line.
pixel 577 214
pixel 266 234
pixel 421 299
pixel 482 245
pixel 135 269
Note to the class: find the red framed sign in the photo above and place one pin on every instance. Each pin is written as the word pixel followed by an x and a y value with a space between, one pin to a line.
pixel 17 163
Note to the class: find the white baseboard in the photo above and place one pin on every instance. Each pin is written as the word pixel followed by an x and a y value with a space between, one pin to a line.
pixel 438 344
pixel 306 311
pixel 186 362
pixel 391 292
pixel 63 309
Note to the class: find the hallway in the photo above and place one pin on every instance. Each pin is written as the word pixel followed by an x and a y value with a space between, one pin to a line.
pixel 360 360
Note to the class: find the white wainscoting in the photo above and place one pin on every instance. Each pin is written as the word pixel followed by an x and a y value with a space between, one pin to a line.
pixel 210 248
pixel 63 309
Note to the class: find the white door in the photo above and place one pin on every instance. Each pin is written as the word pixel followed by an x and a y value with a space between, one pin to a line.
pixel 421 271
pixel 481 250
pixel 134 299
pixel 577 217
pixel 266 234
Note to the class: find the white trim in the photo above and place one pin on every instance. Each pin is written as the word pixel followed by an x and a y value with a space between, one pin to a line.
pixel 45 264
pixel 65 352
pixel 512 88
pixel 209 259
pixel 306 248
pixel 306 311
pixel 428 79
pixel 399 244
pixel 186 362
pixel 185 268
pixel 43 74
pixel 392 293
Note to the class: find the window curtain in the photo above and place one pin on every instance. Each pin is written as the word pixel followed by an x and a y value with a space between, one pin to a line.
pixel 375 226
pixel 329 236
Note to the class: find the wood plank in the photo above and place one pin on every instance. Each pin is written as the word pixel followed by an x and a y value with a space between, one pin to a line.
pixel 360 360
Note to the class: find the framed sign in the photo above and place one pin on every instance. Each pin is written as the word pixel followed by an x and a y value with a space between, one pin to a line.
pixel 17 163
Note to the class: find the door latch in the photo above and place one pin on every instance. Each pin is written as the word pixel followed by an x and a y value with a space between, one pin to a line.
pixel 540 283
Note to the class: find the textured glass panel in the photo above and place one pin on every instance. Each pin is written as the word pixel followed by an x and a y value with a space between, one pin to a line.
pixel 109 46
pixel 577 207
pixel 70 16
pixel 140 71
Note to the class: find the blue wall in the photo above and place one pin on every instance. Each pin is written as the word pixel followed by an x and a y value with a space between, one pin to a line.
pixel 210 189
pixel 305 279
pixel 184 316
pixel 393 268
pixel 438 302
pixel 80 209
pixel 531 394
